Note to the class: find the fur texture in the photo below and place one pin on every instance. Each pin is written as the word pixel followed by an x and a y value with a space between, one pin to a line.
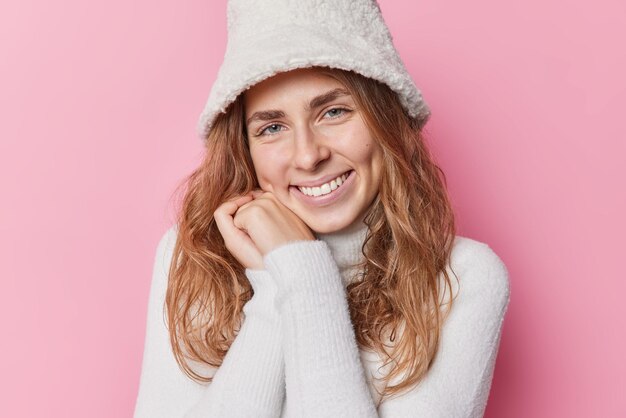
pixel 266 37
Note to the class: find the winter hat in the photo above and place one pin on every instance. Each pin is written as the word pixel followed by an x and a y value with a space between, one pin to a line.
pixel 266 37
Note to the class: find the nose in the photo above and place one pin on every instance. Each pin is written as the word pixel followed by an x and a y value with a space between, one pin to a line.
pixel 310 149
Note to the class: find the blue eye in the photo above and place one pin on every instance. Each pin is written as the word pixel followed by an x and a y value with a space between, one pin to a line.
pixel 271 126
pixel 335 112
pixel 340 109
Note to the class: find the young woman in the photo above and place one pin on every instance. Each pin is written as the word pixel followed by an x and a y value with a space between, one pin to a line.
pixel 316 248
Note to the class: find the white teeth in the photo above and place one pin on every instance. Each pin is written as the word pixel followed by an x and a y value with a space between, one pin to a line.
pixel 324 188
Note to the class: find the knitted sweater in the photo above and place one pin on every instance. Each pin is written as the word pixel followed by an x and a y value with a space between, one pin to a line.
pixel 296 354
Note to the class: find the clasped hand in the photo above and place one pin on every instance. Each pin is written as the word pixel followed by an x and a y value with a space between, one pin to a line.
pixel 254 224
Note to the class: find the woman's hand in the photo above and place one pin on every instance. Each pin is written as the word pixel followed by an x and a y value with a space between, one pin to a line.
pixel 237 241
pixel 260 224
pixel 269 223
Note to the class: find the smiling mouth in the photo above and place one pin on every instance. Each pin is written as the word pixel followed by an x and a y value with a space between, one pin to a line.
pixel 325 188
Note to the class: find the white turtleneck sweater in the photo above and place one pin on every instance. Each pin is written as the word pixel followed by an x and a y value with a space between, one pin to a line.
pixel 296 353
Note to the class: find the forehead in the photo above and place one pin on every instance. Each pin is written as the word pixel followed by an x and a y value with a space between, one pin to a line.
pixel 289 87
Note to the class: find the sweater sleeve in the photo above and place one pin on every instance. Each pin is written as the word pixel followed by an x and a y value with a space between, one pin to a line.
pixel 459 381
pixel 250 381
pixel 324 374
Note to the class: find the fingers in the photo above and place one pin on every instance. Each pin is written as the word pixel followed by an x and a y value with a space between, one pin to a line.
pixel 236 240
pixel 224 218
pixel 258 194
pixel 229 207
pixel 269 223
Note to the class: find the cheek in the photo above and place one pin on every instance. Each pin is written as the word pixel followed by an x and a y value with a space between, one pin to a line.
pixel 267 166
pixel 370 156
pixel 261 170
pixel 365 152
pixel 357 143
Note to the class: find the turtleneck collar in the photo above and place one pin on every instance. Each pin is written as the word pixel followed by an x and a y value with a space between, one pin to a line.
pixel 345 247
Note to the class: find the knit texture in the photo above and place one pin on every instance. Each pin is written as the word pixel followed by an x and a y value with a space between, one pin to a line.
pixel 266 37
pixel 296 353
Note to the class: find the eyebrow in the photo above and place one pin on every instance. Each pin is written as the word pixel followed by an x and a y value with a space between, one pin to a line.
pixel 317 101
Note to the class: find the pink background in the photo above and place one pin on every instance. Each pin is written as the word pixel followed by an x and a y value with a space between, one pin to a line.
pixel 98 105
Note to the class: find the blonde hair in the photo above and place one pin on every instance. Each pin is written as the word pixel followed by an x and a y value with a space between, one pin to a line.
pixel 406 249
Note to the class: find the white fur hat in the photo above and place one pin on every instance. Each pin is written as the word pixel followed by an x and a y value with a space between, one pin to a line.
pixel 266 37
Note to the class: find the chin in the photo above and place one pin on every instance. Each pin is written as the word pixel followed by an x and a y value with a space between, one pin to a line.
pixel 323 230
pixel 329 227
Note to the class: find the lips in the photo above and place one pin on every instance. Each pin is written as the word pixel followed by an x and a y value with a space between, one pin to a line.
pixel 324 188
pixel 327 199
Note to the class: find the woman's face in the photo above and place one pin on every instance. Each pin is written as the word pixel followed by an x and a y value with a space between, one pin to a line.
pixel 311 148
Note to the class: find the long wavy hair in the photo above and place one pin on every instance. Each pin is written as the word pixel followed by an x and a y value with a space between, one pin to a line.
pixel 396 306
